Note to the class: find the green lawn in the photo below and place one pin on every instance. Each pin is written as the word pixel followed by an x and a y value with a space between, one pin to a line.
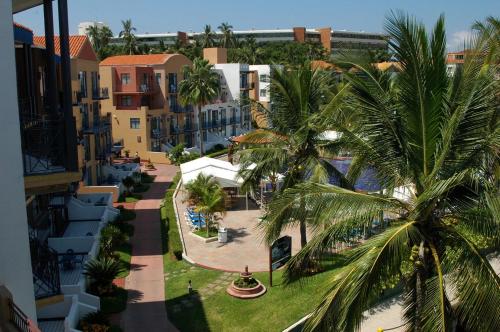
pixel 124 254
pixel 279 308
pixel 203 232
pixel 131 198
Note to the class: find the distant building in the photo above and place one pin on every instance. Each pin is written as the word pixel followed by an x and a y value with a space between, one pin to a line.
pixel 454 60
pixel 334 41
pixel 83 26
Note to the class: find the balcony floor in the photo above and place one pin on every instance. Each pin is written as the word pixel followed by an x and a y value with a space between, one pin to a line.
pixel 81 228
pixel 51 326
pixel 71 277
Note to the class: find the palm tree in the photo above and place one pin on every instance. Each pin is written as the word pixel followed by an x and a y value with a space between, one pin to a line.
pixel 208 197
pixel 128 36
pixel 489 34
pixel 439 138
pixel 227 37
pixel 294 143
pixel 208 37
pixel 99 37
pixel 200 87
pixel 102 272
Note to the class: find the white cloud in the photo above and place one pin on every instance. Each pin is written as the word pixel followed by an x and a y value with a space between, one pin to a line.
pixel 457 40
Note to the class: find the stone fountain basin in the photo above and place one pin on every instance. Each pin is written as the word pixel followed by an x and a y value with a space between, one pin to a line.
pixel 246 293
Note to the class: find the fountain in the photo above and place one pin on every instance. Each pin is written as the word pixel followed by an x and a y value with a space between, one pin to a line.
pixel 246 287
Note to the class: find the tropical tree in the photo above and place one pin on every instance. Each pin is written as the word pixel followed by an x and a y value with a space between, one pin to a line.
pixel 208 197
pixel 208 37
pixel 101 272
pixel 100 37
pixel 439 138
pixel 128 36
pixel 200 87
pixel 489 34
pixel 294 143
pixel 227 37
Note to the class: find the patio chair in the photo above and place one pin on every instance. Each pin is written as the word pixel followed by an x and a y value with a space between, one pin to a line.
pixel 68 260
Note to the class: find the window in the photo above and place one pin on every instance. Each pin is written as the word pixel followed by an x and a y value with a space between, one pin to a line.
pixel 126 101
pixel 263 92
pixel 135 123
pixel 125 78
pixel 172 82
pixel 83 83
pixel 264 78
pixel 158 78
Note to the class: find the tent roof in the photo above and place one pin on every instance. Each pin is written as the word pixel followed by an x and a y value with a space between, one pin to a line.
pixel 224 172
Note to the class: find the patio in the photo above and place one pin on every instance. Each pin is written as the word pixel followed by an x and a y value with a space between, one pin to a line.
pixel 245 245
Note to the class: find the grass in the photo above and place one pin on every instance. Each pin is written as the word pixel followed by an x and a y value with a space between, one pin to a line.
pixel 114 303
pixel 172 246
pixel 279 308
pixel 203 232
pixel 124 256
pixel 130 198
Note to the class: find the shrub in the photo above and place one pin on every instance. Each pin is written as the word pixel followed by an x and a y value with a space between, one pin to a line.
pixel 171 241
pixel 101 272
pixel 94 322
pixel 176 152
pixel 111 238
pixel 128 182
pixel 146 178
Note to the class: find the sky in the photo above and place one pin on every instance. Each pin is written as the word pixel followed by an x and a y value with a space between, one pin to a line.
pixel 155 16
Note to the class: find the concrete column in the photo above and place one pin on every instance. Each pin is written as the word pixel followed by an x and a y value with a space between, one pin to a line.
pixel 48 19
pixel 15 261
pixel 67 104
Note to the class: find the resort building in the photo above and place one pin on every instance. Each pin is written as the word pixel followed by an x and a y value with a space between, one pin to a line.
pixel 453 61
pixel 49 230
pixel 335 41
pixel 93 127
pixel 146 114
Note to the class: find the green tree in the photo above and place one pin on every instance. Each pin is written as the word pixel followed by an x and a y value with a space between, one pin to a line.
pixel 489 34
pixel 227 37
pixel 128 182
pixel 128 36
pixel 208 37
pixel 102 272
pixel 438 137
pixel 208 197
pixel 200 87
pixel 293 144
pixel 100 38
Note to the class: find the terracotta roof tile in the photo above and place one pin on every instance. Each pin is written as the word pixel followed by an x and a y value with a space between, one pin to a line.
pixel 76 45
pixel 133 60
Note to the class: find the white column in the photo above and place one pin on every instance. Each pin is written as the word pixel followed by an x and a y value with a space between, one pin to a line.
pixel 15 262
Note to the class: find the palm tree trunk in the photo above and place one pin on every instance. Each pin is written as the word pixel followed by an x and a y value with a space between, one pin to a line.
pixel 303 234
pixel 200 129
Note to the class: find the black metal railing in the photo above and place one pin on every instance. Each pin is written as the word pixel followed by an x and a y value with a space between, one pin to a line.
pixel 158 133
pixel 77 98
pixel 18 318
pixel 45 266
pixel 190 127
pixel 43 141
pixel 100 93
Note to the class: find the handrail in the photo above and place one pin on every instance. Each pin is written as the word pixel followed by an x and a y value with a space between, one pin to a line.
pixel 18 317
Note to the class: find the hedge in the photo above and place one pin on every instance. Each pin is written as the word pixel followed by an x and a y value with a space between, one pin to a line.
pixel 170 233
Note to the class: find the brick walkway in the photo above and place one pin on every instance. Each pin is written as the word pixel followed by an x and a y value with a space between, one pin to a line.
pixel 145 283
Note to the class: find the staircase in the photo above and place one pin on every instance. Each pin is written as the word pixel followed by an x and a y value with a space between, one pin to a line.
pixel 45 266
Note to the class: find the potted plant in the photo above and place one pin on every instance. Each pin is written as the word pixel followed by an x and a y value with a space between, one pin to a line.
pixel 127 153
pixel 101 272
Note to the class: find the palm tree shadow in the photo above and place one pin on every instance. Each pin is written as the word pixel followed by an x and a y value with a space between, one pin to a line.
pixel 187 312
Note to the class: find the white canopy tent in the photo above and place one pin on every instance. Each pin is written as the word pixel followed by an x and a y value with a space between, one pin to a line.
pixel 224 172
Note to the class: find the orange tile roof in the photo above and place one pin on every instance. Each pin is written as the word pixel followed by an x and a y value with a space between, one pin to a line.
pixel 133 60
pixel 383 66
pixel 77 44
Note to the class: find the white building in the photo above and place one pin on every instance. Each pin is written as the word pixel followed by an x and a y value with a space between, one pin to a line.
pixel 83 26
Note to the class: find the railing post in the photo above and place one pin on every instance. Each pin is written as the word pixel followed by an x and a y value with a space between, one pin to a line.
pixel 5 298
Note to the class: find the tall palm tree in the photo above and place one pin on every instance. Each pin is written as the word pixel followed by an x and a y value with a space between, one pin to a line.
pixel 100 38
pixel 438 137
pixel 294 143
pixel 227 37
pixel 208 37
pixel 128 36
pixel 200 87
pixel 489 33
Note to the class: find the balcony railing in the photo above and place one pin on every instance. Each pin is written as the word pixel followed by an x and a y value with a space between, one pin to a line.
pixel 18 318
pixel 45 266
pixel 158 133
pixel 190 127
pixel 146 88
pixel 42 138
pixel 176 108
pixel 77 98
pixel 100 93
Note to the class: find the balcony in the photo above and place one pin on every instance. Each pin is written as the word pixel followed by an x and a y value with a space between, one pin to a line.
pixel 43 140
pixel 77 98
pixel 234 120
pixel 190 127
pixel 45 266
pixel 176 108
pixel 247 86
pixel 100 94
pixel 158 133
pixel 146 88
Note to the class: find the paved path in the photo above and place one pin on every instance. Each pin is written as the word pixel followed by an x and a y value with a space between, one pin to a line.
pixel 145 283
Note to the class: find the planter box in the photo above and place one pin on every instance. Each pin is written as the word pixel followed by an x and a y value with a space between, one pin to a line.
pixel 205 239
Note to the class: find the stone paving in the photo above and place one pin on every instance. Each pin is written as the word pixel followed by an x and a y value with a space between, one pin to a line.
pixel 145 284
pixel 245 244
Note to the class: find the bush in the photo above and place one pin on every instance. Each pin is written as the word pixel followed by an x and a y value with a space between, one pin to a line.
pixel 146 178
pixel 128 182
pixel 215 148
pixel 111 238
pixel 94 322
pixel 171 238
pixel 101 272
pixel 218 153
pixel 187 157
pixel 176 152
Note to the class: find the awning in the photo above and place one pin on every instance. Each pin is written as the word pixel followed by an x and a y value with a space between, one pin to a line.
pixel 225 173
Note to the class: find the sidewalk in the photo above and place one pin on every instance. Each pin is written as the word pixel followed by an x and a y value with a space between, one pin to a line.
pixel 145 284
